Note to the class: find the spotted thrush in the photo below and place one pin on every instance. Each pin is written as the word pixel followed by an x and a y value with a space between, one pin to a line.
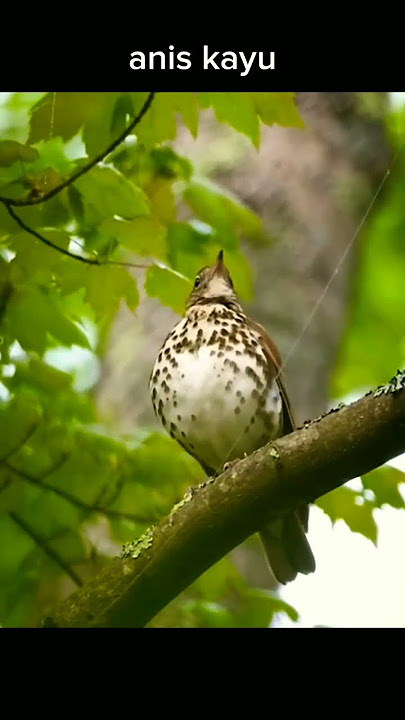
pixel 216 387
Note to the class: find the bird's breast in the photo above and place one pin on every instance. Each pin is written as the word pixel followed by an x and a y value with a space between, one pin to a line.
pixel 213 391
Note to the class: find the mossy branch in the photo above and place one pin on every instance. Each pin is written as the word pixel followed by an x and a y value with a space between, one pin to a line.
pixel 215 517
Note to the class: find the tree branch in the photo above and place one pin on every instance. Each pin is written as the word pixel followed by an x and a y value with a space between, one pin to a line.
pixel 98 158
pixel 218 515
pixel 49 243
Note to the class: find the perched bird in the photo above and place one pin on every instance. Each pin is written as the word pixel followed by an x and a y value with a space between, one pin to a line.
pixel 216 388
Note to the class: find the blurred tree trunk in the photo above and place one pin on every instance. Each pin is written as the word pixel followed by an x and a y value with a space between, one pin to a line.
pixel 311 188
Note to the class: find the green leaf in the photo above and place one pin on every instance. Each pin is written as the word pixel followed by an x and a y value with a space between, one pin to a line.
pixel 55 514
pixel 76 203
pixel 159 123
pixel 186 104
pixel 242 110
pixel 169 286
pixel 123 109
pixel 144 236
pixel 219 581
pixel 34 378
pixel 64 114
pixel 18 419
pixel 190 249
pixel 52 155
pixel 18 547
pixel 105 120
pixel 57 114
pixel 32 314
pixel 106 286
pixel 236 109
pixel 376 310
pixel 277 108
pixel 44 376
pixel 258 608
pixel 36 262
pixel 12 151
pixel 345 504
pixel 162 200
pixel 169 164
pixel 205 614
pixel 384 483
pixel 107 193
pixel 223 211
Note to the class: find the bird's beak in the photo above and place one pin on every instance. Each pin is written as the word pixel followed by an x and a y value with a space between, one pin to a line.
pixel 219 267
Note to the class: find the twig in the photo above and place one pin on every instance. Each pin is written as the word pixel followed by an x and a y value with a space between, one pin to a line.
pixel 88 507
pixel 44 240
pixel 49 243
pixel 47 549
pixel 98 158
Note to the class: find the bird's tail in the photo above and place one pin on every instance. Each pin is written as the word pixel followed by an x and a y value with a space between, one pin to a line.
pixel 287 548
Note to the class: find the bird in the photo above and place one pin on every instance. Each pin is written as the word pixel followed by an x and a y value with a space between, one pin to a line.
pixel 216 387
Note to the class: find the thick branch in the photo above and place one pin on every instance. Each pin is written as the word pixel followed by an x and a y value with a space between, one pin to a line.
pixel 220 514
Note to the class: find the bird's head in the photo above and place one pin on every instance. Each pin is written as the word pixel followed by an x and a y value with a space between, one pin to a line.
pixel 213 284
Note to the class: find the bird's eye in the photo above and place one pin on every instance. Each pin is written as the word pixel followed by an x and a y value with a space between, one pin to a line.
pixel 197 281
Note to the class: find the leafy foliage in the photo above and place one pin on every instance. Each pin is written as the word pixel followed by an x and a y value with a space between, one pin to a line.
pixel 61 471
pixel 373 345
pixel 377 306
pixel 243 111
pixel 355 507
pixel 222 598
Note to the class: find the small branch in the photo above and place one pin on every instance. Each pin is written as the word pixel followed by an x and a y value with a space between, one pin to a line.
pixel 44 240
pixel 46 548
pixel 88 507
pixel 89 166
pixel 127 264
pixel 221 513
pixel 49 243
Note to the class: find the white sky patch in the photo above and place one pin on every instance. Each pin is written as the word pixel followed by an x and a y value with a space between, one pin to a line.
pixel 397 99
pixel 83 364
pixel 4 393
pixel 355 584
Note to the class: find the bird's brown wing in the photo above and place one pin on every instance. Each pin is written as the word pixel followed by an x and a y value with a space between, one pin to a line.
pixel 298 556
pixel 274 363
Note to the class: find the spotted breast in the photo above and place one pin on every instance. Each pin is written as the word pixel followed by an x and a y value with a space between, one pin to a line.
pixel 212 389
